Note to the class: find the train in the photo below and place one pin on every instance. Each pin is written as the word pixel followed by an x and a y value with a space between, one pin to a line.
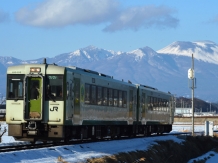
pixel 49 102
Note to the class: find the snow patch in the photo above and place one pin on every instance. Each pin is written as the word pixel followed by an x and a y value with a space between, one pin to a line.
pixel 75 53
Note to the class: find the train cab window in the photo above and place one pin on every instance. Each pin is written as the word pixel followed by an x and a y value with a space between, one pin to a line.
pixel 124 99
pixel 99 95
pixel 110 96
pixel 87 93
pixel 93 97
pixel 54 87
pixel 15 86
pixel 105 96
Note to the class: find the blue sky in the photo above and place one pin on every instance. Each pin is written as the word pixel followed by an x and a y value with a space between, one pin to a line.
pixel 45 28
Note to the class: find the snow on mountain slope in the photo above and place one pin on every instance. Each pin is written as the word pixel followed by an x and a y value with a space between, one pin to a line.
pixel 206 51
pixel 140 53
pixel 82 56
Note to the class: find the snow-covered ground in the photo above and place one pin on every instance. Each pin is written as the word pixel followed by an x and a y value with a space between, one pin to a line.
pixel 79 153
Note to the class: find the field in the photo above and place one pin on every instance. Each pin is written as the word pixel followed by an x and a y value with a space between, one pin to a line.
pixel 161 149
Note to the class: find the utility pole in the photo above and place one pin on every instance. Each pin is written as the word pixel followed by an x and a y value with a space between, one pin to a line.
pixel 210 107
pixel 192 80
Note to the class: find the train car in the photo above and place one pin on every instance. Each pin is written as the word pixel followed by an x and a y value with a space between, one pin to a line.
pixel 50 102
pixel 155 110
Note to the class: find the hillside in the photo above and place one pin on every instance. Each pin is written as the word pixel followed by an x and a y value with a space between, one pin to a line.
pixel 201 105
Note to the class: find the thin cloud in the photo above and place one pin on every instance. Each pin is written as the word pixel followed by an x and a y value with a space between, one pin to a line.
pixel 4 17
pixel 145 16
pixel 56 13
pixel 212 20
pixel 215 20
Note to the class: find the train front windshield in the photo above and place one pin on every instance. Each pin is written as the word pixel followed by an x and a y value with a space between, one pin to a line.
pixel 54 87
pixel 15 87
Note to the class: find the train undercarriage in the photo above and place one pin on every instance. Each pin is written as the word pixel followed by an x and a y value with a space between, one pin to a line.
pixel 42 132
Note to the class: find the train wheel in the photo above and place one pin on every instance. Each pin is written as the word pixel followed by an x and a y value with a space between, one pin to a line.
pixel 33 141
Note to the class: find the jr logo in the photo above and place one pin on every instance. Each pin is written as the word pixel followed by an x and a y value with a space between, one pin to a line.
pixel 55 108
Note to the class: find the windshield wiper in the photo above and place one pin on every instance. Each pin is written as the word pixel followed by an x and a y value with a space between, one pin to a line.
pixel 52 97
pixel 16 99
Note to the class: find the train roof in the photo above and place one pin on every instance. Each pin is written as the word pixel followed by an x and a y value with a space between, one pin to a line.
pixel 81 70
pixel 152 89
pixel 51 68
pixel 90 71
pixel 100 75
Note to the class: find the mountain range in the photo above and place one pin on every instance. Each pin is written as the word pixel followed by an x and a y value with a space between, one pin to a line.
pixel 165 69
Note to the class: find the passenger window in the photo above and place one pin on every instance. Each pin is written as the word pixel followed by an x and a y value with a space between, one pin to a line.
pixel 105 97
pixel 87 94
pixel 124 99
pixel 130 103
pixel 150 103
pixel 99 95
pixel 77 96
pixel 120 99
pixel 93 101
pixel 110 95
pixel 115 98
pixel 159 104
pixel 143 102
pixel 167 106
pixel 154 103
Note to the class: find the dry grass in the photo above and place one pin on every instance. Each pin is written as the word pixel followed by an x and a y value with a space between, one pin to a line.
pixel 165 152
pixel 60 160
pixel 131 157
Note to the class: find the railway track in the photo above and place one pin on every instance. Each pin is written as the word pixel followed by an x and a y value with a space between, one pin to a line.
pixel 23 147
pixel 37 146
pixel 74 142
pixel 44 145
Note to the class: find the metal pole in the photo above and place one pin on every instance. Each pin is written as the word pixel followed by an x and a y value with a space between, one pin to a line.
pixel 193 98
pixel 210 107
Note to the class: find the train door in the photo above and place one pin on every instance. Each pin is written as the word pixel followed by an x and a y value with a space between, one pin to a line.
pixel 69 97
pixel 76 90
pixel 143 104
pixel 33 109
pixel 139 104
pixel 131 105
pixel 135 105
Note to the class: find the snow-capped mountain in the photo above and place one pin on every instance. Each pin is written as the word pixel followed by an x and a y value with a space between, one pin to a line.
pixel 165 69
pixel 202 50
pixel 84 55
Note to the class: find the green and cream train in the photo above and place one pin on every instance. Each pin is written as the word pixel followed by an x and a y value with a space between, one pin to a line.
pixel 50 102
